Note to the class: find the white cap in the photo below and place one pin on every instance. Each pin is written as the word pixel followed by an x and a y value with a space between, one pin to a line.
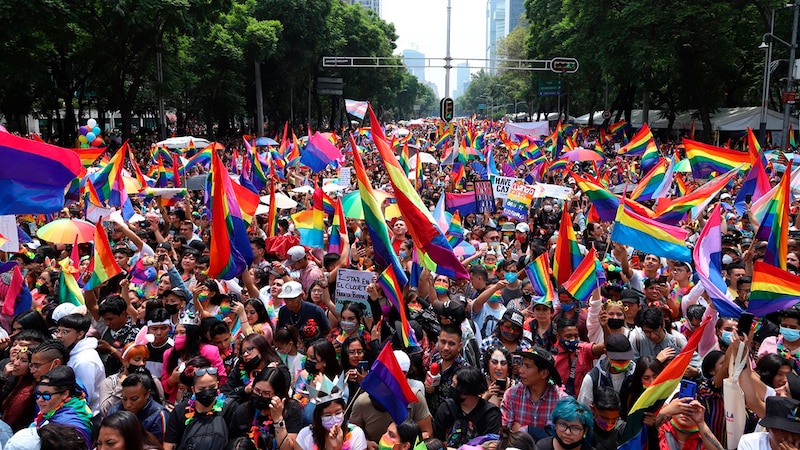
pixel 24 439
pixel 402 360
pixel 724 196
pixel 62 311
pixel 295 254
pixel 523 227
pixel 291 289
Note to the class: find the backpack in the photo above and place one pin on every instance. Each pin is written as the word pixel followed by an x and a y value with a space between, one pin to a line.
pixel 209 432
pixel 463 429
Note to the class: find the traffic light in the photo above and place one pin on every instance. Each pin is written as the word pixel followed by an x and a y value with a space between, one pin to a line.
pixel 446 109
pixel 569 65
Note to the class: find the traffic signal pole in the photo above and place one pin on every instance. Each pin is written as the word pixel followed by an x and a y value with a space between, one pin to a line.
pixel 447 58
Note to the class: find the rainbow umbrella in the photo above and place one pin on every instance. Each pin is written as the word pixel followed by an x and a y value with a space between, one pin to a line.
pixel 582 154
pixel 354 209
pixel 64 231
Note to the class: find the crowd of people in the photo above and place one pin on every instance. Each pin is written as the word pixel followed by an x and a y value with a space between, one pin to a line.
pixel 164 357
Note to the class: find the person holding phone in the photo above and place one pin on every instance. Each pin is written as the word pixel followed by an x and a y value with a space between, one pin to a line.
pixel 686 427
pixel 497 369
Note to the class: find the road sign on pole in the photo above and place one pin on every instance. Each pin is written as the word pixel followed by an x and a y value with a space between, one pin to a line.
pixel 549 88
pixel 567 65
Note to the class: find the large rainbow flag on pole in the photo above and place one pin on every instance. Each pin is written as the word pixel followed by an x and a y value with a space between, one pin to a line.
pixel 672 211
pixel 568 254
pixel 639 143
pixel 231 253
pixel 778 239
pixel 103 265
pixel 423 228
pixel 706 159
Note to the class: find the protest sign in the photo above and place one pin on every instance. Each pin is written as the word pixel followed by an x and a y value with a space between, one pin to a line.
pixel 351 286
pixel 8 228
pixel 344 176
pixel 552 190
pixel 519 201
pixel 484 196
pixel 501 186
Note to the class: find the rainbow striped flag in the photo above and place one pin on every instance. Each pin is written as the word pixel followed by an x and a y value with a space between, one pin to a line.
pixel 638 143
pixel 455 231
pixel 650 157
pixel 89 155
pixel 443 140
pixel 384 254
pixel 681 188
pixel 792 141
pixel 310 223
pixel 635 434
pixel 707 254
pixel 421 225
pixel 651 185
pixel 773 289
pixel 103 265
pixel 231 253
pixel 392 284
pixel 203 158
pixel 68 289
pixel 335 242
pixel 706 159
pixel 584 280
pixel 457 174
pixel 649 235
pixel 541 278
pixel 756 185
pixel 567 255
pixel 272 215
pixel 778 238
pixel 616 127
pixel 672 211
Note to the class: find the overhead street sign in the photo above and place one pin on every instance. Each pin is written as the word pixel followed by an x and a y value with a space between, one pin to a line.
pixel 564 65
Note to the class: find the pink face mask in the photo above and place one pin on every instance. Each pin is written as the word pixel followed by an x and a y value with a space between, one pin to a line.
pixel 180 342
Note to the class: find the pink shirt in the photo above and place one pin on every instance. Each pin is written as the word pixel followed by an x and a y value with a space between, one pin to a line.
pixel 207 351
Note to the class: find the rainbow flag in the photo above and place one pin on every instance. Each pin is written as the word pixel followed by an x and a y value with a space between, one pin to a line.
pixel 672 211
pixel 773 289
pixel 89 155
pixel 335 242
pixel 423 229
pixel 68 289
pixel 176 173
pixel 635 434
pixel 310 223
pixel 294 149
pixel 650 157
pixel 707 256
pixel 203 158
pixel 384 254
pixel 584 280
pixel 616 127
pixel 756 185
pixel 392 284
pixel 541 278
pixel 272 215
pixel 457 174
pixel 651 185
pixel 567 255
pixel 231 253
pixel 443 140
pixel 706 159
pixel 778 238
pixel 752 143
pixel 681 188
pixel 103 265
pixel 650 236
pixel 455 231
pixel 639 143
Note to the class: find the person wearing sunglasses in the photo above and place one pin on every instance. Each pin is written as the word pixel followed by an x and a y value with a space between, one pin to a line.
pixel 61 401
pixel 202 421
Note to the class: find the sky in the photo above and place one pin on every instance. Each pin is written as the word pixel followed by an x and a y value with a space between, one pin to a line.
pixel 422 25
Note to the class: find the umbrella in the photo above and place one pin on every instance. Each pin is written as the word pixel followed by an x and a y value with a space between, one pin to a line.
pixel 282 201
pixel 64 231
pixel 354 209
pixel 683 166
pixel 265 141
pixel 581 154
pixel 333 187
pixel 303 190
pixel 427 158
pixel 262 209
pixel 464 249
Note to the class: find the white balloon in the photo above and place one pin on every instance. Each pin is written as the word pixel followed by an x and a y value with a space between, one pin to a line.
pixel 91 123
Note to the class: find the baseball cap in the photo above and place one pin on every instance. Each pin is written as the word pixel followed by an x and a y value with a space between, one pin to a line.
pixel 295 254
pixel 450 309
pixel 630 296
pixel 514 317
pixel 523 227
pixel 180 293
pixel 291 289
pixel 618 348
pixel 402 360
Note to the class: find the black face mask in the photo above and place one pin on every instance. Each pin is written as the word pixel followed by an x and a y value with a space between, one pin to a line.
pixel 206 397
pixel 44 289
pixel 527 297
pixel 455 394
pixel 616 324
pixel 569 446
pixel 311 367
pixel 252 364
pixel 260 403
pixel 138 369
pixel 171 309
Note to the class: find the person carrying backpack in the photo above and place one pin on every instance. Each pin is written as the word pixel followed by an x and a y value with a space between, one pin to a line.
pixel 202 422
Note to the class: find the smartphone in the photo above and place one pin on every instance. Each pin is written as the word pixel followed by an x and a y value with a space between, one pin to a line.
pixel 516 360
pixel 745 323
pixel 748 198
pixel 502 384
pixel 688 389
pixel 363 366
pixel 635 261
pixel 663 279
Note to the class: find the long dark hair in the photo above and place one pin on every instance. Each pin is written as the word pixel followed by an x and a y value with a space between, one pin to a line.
pixel 126 423
pixel 268 353
pixel 324 351
pixel 261 312
pixel 190 348
pixel 344 358
pixel 31 320
pixel 318 432
pixel 642 364
pixel 276 377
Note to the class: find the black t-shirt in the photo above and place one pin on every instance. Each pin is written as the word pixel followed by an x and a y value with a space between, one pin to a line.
pixel 244 416
pixel 484 419
pixel 177 420
pixel 310 321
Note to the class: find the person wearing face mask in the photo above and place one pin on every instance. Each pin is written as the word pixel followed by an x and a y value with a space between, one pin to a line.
pixel 574 358
pixel 350 325
pixel 271 419
pixel 488 307
pixel 134 357
pixel 204 420
pixel 287 341
pixel 329 430
pixel 256 355
pixel 400 437
pixel 614 369
pixel 466 415
pixel 725 328
pixel 572 422
pixel 569 308
pixel 787 343
pixel 608 427
pixel 508 334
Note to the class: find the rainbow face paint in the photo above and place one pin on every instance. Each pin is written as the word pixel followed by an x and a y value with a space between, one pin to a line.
pixel 620 366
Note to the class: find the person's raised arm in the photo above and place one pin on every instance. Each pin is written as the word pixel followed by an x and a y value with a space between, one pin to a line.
pixel 477 305
pixel 126 230
pixel 90 298
pixel 621 254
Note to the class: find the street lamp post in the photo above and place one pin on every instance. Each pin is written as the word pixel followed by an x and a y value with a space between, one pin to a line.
pixel 762 129
pixel 787 107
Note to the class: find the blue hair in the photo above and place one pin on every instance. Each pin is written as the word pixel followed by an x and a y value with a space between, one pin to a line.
pixel 570 410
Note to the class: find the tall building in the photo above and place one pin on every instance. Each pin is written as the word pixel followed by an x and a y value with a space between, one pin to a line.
pixel 502 16
pixel 462 79
pixel 374 5
pixel 413 58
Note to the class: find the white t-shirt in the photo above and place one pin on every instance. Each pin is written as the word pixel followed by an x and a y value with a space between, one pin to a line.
pixel 357 439
pixel 480 318
pixel 754 441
